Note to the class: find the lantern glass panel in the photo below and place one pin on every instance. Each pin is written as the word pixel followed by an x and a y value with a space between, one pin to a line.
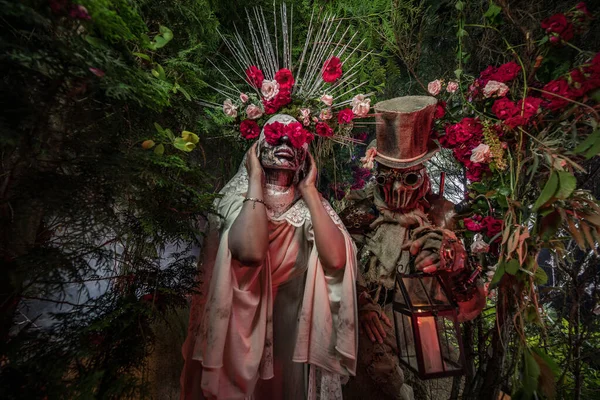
pixel 425 291
pixel 432 353
pixel 449 341
pixel 405 340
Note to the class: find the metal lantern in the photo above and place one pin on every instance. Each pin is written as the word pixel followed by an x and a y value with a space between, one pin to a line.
pixel 427 329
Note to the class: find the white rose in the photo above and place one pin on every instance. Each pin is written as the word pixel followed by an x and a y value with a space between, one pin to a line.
pixel 243 97
pixel 361 108
pixel 359 98
pixel 452 87
pixel 253 112
pixel 325 114
pixel 478 245
pixel 481 154
pixel 269 89
pixel 327 99
pixel 494 87
pixel 434 87
pixel 229 108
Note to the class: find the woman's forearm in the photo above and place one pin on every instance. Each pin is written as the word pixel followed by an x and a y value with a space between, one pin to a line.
pixel 249 234
pixel 328 237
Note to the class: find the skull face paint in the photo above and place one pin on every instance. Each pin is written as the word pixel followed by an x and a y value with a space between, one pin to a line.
pixel 281 156
pixel 403 188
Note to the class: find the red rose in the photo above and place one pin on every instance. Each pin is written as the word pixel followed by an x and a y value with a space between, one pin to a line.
pixel 273 132
pixel 514 121
pixel 283 98
pixel 487 73
pixel 440 110
pixel 285 78
pixel 475 171
pixel 332 70
pixel 297 134
pixel 506 72
pixel 474 224
pixel 323 129
pixel 249 129
pixel 254 76
pixel 558 25
pixel 582 8
pixel 345 116
pixel 560 87
pixel 492 226
pixel 504 108
pixel 467 129
pixel 270 106
pixel 530 106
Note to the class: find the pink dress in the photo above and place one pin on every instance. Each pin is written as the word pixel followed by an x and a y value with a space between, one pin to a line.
pixel 254 331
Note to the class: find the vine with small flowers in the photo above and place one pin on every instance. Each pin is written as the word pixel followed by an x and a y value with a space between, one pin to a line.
pixel 522 131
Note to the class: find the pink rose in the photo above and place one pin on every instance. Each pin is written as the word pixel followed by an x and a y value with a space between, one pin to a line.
pixel 305 116
pixel 254 112
pixel 326 114
pixel 243 97
pixel 229 108
pixel 360 105
pixel 327 99
pixel 269 89
pixel 434 87
pixel 481 154
pixel 452 87
pixel 494 87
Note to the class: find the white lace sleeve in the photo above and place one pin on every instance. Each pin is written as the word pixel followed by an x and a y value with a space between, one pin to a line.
pixel 323 385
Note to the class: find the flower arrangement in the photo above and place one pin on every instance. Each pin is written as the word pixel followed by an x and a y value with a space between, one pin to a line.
pixel 318 90
pixel 317 115
pixel 522 130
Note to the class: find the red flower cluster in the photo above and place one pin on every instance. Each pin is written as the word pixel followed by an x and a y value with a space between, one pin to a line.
pixel 516 114
pixel 249 129
pixel 345 116
pixel 332 70
pixel 579 82
pixel 504 73
pixel 323 129
pixel 489 225
pixel 360 175
pixel 294 131
pixel 285 79
pixel 558 27
pixel 254 76
pixel 462 138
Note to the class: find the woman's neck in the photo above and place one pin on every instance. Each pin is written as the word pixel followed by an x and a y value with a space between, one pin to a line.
pixel 279 177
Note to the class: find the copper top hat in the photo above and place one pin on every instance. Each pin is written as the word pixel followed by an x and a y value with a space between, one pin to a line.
pixel 403 130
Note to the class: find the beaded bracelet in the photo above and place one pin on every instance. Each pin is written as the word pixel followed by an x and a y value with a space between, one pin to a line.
pixel 254 201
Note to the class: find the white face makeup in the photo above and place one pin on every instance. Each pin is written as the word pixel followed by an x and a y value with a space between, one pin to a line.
pixel 282 155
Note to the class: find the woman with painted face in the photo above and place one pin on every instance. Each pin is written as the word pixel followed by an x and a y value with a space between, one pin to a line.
pixel 276 315
pixel 403 227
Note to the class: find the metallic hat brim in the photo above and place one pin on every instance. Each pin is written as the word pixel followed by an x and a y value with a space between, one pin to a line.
pixel 432 148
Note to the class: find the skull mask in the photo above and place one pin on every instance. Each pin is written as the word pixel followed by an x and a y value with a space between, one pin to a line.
pixel 402 189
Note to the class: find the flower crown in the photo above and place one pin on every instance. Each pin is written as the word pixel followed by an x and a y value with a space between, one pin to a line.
pixel 319 93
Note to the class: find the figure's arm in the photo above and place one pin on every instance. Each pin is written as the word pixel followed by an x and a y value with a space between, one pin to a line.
pixel 249 234
pixel 328 237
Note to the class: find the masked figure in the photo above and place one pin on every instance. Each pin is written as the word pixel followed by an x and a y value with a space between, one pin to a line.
pixel 276 314
pixel 400 226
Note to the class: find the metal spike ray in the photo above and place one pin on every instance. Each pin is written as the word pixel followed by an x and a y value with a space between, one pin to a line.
pixel 268 46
